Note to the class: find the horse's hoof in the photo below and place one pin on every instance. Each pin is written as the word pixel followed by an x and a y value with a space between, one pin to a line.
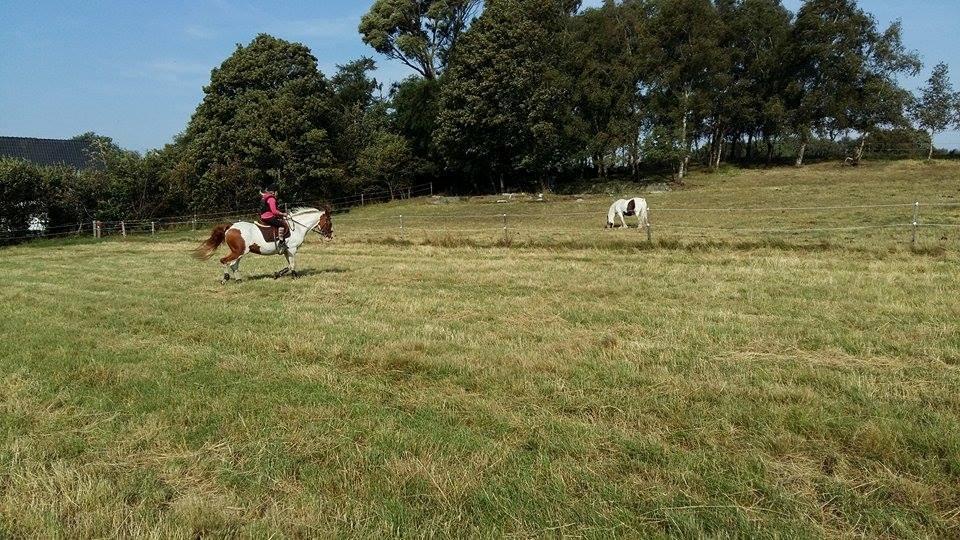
pixel 295 275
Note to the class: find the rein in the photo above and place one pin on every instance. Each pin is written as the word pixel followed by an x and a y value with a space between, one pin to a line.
pixel 314 228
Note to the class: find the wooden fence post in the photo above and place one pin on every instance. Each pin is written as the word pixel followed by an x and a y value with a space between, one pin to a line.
pixel 916 219
pixel 431 189
pixel 153 227
pixel 123 229
pixel 194 222
pixel 361 199
pixel 401 227
pixel 505 234
pixel 94 228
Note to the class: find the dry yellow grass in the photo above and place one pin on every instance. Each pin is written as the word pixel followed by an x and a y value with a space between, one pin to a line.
pixel 736 386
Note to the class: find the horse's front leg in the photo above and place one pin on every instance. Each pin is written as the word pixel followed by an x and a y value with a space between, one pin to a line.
pixel 286 270
pixel 623 220
pixel 292 264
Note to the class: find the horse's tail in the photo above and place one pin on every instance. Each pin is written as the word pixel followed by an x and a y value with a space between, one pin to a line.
pixel 205 250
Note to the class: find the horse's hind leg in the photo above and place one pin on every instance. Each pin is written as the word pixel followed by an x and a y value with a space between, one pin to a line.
pixel 235 269
pixel 232 261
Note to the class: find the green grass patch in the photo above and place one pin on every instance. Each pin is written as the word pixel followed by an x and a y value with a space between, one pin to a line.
pixel 448 385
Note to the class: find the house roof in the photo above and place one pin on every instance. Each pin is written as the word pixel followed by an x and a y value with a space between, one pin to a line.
pixel 70 152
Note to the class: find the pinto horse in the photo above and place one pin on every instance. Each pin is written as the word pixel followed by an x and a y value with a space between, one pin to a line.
pixel 243 237
pixel 632 207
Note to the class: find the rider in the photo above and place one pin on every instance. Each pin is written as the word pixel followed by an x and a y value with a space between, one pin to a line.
pixel 271 215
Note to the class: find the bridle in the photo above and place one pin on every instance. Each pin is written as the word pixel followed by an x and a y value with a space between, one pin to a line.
pixel 314 228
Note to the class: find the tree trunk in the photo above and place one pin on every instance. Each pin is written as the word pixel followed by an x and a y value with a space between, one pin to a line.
pixel 683 141
pixel 859 155
pixel 502 188
pixel 719 156
pixel 714 141
pixel 800 153
pixel 930 153
pixel 750 147
pixel 769 142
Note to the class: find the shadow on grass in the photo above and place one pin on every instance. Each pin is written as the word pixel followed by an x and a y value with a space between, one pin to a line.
pixel 300 274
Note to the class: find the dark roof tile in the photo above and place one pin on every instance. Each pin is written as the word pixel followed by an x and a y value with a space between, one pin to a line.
pixel 68 152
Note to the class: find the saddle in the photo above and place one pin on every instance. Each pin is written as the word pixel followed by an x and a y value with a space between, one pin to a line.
pixel 269 232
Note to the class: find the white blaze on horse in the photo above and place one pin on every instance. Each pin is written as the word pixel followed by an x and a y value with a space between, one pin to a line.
pixel 628 207
pixel 244 237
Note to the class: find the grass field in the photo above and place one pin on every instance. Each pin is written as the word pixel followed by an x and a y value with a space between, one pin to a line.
pixel 569 381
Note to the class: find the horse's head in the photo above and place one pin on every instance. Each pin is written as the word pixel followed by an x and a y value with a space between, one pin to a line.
pixel 325 225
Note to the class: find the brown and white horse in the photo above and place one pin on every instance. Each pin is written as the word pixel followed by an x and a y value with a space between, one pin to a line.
pixel 632 207
pixel 244 237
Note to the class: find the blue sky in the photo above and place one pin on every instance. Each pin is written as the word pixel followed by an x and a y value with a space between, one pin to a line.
pixel 135 70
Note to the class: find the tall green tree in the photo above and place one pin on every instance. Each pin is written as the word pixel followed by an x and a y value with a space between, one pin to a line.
pixel 20 196
pixel 266 116
pixel 845 71
pixel 759 32
pixel 879 102
pixel 358 111
pixel 686 72
pixel 420 33
pixel 389 161
pixel 505 100
pixel 938 105
pixel 607 67
pixel 415 103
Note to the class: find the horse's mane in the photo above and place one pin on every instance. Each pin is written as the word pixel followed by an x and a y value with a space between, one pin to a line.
pixel 305 210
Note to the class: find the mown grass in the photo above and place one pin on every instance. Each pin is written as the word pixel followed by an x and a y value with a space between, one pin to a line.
pixel 446 386
pixel 725 208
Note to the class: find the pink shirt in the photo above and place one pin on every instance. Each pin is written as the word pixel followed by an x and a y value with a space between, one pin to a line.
pixel 272 205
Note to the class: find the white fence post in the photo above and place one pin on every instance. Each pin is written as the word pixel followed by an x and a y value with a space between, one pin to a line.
pixel 153 227
pixel 649 229
pixel 916 219
pixel 401 227
pixel 123 229
pixel 94 228
pixel 504 227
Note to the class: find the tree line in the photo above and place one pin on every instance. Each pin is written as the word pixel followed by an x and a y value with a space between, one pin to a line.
pixel 518 94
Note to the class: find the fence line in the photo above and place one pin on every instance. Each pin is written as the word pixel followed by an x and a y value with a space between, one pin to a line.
pixel 505 222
